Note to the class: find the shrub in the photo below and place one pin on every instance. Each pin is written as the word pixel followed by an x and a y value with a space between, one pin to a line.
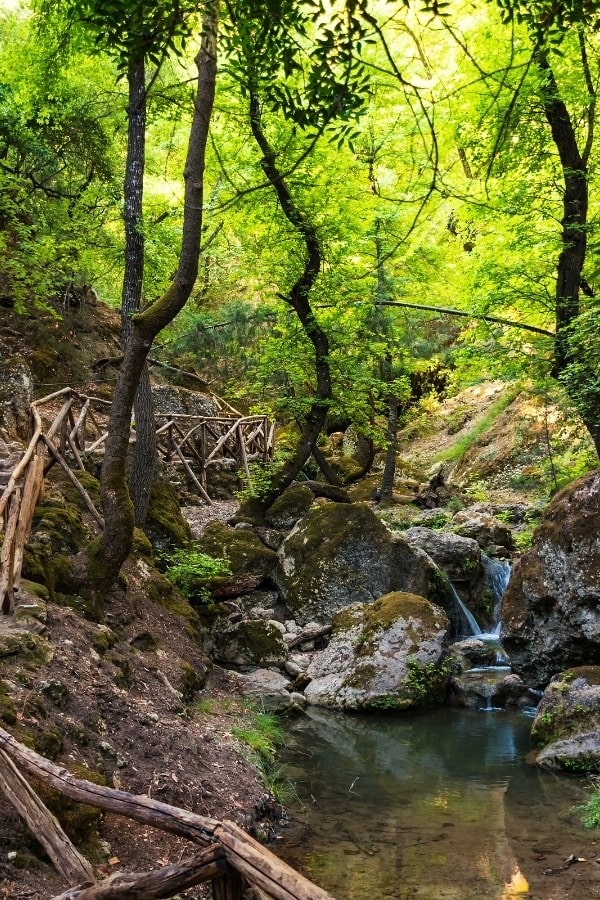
pixel 190 570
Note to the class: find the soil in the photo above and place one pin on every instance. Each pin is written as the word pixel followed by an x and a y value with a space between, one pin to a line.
pixel 121 714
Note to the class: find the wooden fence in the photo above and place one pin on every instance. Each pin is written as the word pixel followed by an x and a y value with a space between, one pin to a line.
pixel 230 859
pixel 69 428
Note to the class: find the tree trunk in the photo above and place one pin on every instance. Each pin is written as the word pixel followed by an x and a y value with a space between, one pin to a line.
pixel 144 453
pixel 116 540
pixel 299 300
pixel 575 211
pixel 389 471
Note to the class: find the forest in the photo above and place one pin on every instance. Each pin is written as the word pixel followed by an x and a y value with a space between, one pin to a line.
pixel 372 228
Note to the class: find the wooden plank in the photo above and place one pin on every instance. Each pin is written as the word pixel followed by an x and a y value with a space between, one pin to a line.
pixel 74 481
pixel 259 866
pixel 8 554
pixel 203 493
pixel 164 882
pixel 22 465
pixel 96 443
pixel 46 829
pixel 32 488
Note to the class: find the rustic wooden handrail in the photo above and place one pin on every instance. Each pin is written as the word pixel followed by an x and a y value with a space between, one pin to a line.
pixel 249 861
pixel 78 430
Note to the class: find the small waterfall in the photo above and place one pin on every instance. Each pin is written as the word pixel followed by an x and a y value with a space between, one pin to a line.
pixel 496 573
pixel 466 613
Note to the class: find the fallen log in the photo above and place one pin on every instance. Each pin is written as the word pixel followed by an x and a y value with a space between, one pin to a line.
pixel 157 884
pixel 330 491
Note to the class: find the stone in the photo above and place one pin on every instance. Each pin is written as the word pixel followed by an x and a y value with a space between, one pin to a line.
pixel 551 608
pixel 249 642
pixel 473 652
pixel 244 550
pixel 271 688
pixel 579 754
pixel 478 522
pixel 569 706
pixel 171 399
pixel 340 554
pixel 290 507
pixel 459 557
pixel 16 394
pixel 383 656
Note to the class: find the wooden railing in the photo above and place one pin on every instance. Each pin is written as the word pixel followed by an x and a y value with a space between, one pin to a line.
pixel 75 433
pixel 230 859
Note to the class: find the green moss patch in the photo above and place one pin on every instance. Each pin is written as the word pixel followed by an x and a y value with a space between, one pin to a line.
pixel 244 550
pixel 165 524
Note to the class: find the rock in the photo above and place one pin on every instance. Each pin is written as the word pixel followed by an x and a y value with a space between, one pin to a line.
pixel 577 754
pixel 513 693
pixel 170 399
pixel 341 554
pixel 459 557
pixel 245 551
pixel 477 522
pixel 270 687
pixel 16 394
pixel 570 705
pixel 249 642
pixel 290 507
pixel 387 656
pixel 551 608
pixel 474 652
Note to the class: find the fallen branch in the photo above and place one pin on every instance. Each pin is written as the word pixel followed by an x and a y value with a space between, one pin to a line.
pixel 312 634
pixel 468 315
pixel 159 883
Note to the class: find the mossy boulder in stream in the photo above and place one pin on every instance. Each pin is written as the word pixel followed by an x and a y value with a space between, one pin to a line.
pixel 569 712
pixel 386 656
pixel 341 554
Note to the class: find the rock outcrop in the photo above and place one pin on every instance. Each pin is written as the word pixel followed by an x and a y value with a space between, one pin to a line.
pixel 459 557
pixel 386 656
pixel 341 554
pixel 16 393
pixel 566 719
pixel 551 609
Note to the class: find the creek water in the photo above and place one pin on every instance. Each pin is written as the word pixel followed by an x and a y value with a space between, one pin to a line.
pixel 436 806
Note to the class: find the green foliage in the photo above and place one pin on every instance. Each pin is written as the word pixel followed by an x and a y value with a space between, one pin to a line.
pixel 189 570
pixel 263 735
pixel 581 377
pixel 590 809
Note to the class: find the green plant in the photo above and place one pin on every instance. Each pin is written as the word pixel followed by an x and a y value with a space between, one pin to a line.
pixel 263 734
pixel 189 570
pixel 590 809
pixel 457 450
pixel 256 483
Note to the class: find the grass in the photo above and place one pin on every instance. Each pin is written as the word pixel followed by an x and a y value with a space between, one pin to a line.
pixel 457 450
pixel 590 810
pixel 263 735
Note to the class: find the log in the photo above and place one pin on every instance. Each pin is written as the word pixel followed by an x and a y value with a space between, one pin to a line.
pixel 46 829
pixel 74 481
pixel 58 421
pixel 310 635
pixel 78 432
pixel 7 556
pixel 230 886
pixel 20 467
pixel 48 397
pixel 163 882
pixel 188 469
pixel 259 866
pixel 330 491
pixel 199 829
pixel 34 482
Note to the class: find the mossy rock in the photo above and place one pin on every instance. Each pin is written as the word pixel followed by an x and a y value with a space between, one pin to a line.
pixel 290 507
pixel 145 641
pixel 165 524
pixel 103 639
pixel 163 593
pixel 8 710
pixel 386 656
pixel 570 706
pixel 61 523
pixel 72 496
pixel 32 650
pixel 48 742
pixel 245 552
pixel 250 642
pixel 191 681
pixel 141 545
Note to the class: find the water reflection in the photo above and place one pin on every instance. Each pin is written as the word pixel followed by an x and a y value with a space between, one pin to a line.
pixel 433 807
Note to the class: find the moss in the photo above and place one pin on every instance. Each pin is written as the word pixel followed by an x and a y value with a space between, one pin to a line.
pixel 388 609
pixel 49 742
pixel 243 549
pixel 124 678
pixel 141 545
pixel 190 682
pixel 61 523
pixel 57 692
pixel 32 649
pixel 80 822
pixel 103 638
pixel 72 495
pixel 87 606
pixel 160 591
pixel 165 525
pixel 8 710
pixel 35 589
pixel 290 506
pixel 346 618
pixel 261 639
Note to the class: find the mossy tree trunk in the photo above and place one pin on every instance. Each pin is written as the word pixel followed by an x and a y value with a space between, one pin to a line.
pixel 299 300
pixel 144 453
pixel 116 540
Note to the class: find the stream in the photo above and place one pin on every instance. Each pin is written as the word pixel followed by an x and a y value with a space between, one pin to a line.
pixel 435 806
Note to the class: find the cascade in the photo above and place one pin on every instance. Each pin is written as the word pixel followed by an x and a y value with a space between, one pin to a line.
pixel 466 613
pixel 496 574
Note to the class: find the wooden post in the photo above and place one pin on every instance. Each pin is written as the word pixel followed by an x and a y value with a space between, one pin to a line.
pixel 34 482
pixel 7 557
pixel 229 886
pixel 242 449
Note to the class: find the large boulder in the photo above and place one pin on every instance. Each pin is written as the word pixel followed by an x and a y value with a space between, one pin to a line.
pixel 478 522
pixel 459 557
pixel 383 656
pixel 341 554
pixel 169 399
pixel 570 706
pixel 551 608
pixel 291 506
pixel 243 549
